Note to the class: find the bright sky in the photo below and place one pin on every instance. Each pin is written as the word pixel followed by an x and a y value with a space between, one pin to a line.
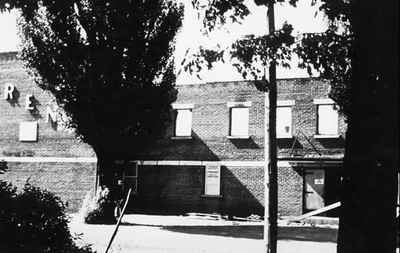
pixel 302 18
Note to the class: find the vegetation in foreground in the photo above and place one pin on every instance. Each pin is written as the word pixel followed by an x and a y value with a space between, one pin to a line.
pixel 34 220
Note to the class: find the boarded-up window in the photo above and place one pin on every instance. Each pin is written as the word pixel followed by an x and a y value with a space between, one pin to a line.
pixel 28 131
pixel 183 123
pixel 239 121
pixel 327 120
pixel 284 121
pixel 212 180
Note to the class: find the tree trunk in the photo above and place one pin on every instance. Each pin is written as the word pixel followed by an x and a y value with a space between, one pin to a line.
pixel 109 173
pixel 368 212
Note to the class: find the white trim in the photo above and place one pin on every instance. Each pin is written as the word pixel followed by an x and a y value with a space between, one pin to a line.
pixel 238 137
pixel 323 101
pixel 239 104
pixel 229 163
pixel 188 163
pixel 326 136
pixel 285 103
pixel 181 137
pixel 182 106
pixel 243 163
pixel 284 136
pixel 41 159
pixel 205 163
pixel 167 162
pixel 307 163
pixel 148 163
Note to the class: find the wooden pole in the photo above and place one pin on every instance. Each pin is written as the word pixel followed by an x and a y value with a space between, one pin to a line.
pixel 119 220
pixel 271 170
pixel 266 171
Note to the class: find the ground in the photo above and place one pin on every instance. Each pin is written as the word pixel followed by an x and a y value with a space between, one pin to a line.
pixel 195 234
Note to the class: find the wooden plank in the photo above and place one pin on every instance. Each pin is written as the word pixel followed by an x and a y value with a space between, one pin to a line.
pixel 315 212
pixel 119 220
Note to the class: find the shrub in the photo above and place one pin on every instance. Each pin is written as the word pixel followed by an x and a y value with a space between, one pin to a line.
pixel 34 220
pixel 100 208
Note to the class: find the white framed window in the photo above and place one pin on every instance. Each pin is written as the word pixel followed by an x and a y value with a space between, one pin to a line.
pixel 239 119
pixel 284 119
pixel 183 120
pixel 28 131
pixel 212 182
pixel 327 119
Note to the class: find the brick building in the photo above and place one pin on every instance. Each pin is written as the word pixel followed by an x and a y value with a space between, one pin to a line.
pixel 33 145
pixel 211 160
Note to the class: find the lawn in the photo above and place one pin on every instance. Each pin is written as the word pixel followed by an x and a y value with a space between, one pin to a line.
pixel 182 234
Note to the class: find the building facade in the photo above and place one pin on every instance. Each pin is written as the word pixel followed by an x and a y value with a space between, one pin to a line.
pixel 32 143
pixel 211 160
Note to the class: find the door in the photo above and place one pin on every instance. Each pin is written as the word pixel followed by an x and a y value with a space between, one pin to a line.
pixel 314 180
pixel 130 178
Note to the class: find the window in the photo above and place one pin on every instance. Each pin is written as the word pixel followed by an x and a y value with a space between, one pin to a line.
pixel 284 119
pixel 28 131
pixel 239 119
pixel 212 180
pixel 327 118
pixel 183 120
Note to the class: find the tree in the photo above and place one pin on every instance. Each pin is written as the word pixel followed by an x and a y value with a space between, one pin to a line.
pixel 358 54
pixel 109 66
pixel 368 218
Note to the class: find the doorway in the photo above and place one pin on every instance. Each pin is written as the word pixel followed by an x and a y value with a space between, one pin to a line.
pixel 130 178
pixel 314 189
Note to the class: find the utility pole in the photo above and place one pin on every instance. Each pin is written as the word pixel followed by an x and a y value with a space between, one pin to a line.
pixel 270 151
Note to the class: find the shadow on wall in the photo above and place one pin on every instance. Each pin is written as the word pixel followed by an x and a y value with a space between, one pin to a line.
pixel 328 143
pixel 238 189
pixel 245 143
pixel 180 189
pixel 3 166
pixel 35 111
pixel 15 98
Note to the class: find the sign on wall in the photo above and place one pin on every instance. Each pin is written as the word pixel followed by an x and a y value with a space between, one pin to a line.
pixel 28 131
pixel 9 89
pixel 212 180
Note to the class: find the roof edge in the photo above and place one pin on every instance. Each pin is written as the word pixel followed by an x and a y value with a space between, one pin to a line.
pixel 9 56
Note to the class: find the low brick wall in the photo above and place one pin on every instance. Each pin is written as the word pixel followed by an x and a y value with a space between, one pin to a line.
pixel 69 181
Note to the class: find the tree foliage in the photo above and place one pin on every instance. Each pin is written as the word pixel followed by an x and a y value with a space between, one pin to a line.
pixel 328 52
pixel 108 63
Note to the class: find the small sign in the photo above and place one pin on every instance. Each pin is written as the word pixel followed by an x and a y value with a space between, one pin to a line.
pixel 319 181
pixel 28 131
pixel 212 180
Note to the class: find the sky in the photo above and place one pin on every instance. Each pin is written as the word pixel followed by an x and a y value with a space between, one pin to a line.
pixel 302 18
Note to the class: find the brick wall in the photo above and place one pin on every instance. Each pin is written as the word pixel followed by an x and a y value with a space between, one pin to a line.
pixel 177 187
pixel 243 190
pixel 51 141
pixel 180 189
pixel 210 126
pixel 303 91
pixel 290 191
pixel 69 181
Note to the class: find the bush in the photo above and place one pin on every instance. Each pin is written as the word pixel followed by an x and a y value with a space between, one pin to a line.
pixel 34 220
pixel 99 209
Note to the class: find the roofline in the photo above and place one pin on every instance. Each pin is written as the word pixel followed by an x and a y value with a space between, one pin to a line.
pixel 9 56
pixel 13 55
pixel 247 81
